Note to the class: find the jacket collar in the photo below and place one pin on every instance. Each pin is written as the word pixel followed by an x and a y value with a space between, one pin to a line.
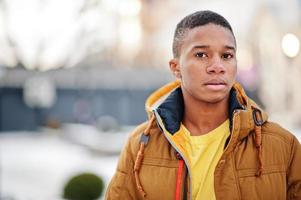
pixel 172 109
pixel 168 103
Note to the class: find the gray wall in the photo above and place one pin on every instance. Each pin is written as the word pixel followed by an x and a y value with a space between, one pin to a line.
pixel 125 105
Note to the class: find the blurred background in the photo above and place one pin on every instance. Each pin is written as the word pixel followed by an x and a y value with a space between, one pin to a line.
pixel 74 76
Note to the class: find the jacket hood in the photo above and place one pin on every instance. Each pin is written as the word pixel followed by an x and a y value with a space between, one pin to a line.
pixel 168 102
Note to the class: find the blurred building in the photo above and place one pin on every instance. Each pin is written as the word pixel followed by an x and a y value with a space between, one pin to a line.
pixel 275 47
pixel 79 96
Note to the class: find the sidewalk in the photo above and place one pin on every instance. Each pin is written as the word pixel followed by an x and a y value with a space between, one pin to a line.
pixel 36 166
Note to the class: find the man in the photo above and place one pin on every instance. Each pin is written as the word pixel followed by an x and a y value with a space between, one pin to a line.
pixel 205 139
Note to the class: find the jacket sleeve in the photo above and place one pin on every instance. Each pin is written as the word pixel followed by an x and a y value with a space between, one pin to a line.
pixel 123 185
pixel 294 172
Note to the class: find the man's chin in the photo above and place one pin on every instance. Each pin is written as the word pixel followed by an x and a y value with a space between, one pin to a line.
pixel 215 99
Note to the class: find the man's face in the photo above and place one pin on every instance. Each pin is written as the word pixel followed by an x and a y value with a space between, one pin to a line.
pixel 207 63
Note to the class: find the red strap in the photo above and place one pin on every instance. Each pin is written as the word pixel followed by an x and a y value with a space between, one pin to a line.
pixel 179 179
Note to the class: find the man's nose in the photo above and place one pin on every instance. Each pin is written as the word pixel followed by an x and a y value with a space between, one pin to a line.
pixel 216 66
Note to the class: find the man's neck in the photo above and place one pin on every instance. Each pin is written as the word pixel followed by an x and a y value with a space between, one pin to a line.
pixel 202 117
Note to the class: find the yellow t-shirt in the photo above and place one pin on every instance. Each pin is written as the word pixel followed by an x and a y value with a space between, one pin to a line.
pixel 204 152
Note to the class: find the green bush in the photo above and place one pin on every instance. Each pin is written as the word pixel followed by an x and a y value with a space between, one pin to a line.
pixel 85 186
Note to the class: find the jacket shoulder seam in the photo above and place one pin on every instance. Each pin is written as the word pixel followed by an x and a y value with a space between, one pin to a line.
pixel 276 135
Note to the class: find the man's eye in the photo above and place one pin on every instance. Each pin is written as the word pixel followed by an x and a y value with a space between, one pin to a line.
pixel 227 56
pixel 201 54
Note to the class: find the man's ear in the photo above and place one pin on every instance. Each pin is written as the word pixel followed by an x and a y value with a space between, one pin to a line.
pixel 175 67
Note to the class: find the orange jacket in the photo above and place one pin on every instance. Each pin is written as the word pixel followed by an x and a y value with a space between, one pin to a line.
pixel 261 160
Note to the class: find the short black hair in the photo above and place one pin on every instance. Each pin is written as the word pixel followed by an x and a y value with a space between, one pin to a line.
pixel 199 18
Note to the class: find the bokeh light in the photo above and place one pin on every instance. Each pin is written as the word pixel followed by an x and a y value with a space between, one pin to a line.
pixel 290 45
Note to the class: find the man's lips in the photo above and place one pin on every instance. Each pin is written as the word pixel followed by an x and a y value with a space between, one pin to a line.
pixel 215 85
pixel 215 82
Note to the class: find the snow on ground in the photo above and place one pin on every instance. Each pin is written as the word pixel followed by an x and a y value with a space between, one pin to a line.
pixel 36 166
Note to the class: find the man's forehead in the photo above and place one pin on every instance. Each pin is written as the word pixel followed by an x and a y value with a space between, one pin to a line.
pixel 208 35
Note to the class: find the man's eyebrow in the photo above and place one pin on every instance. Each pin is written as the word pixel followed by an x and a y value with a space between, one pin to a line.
pixel 207 46
pixel 230 47
pixel 201 47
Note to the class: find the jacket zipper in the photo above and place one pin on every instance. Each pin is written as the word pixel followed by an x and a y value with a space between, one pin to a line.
pixel 174 146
